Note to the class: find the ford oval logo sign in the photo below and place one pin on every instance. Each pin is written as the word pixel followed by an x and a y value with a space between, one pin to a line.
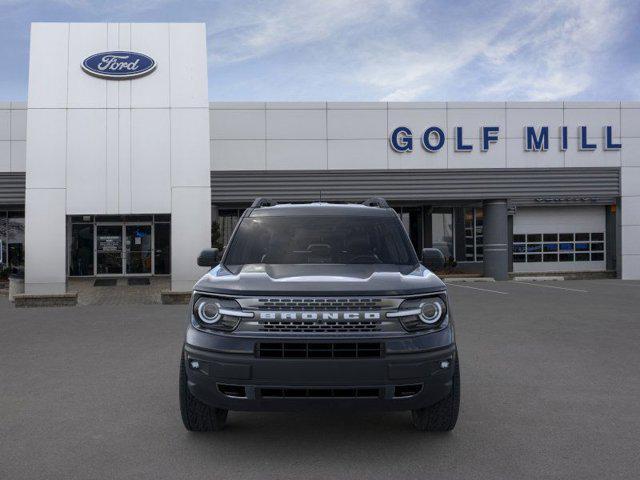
pixel 118 65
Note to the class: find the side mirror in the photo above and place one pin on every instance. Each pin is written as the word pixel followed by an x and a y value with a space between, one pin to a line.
pixel 209 257
pixel 433 259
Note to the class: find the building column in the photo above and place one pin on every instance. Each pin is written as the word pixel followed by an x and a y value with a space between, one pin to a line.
pixel 495 239
pixel 629 214
pixel 619 238
pixel 45 241
pixel 610 237
pixel 510 242
pixel 190 233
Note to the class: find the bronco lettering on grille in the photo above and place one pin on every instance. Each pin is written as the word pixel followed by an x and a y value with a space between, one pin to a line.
pixel 319 315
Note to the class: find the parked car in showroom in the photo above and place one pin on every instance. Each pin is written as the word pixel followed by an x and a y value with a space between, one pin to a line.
pixel 320 305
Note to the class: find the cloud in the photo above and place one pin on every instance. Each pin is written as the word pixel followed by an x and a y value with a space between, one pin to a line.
pixel 556 54
pixel 102 7
pixel 407 50
pixel 259 30
pixel 382 49
pixel 542 51
pixel 67 3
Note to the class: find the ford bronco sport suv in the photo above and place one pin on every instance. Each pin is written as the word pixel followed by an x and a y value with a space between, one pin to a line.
pixel 319 305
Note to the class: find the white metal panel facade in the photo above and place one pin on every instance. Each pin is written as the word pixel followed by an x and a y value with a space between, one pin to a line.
pixel 355 140
pixel 347 126
pixel 13 135
pixel 120 152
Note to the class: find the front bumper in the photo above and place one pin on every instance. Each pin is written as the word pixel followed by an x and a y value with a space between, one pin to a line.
pixel 407 376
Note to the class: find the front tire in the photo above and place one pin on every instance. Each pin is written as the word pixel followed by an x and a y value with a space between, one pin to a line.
pixel 198 416
pixel 443 415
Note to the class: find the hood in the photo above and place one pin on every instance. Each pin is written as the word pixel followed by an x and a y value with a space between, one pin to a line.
pixel 320 279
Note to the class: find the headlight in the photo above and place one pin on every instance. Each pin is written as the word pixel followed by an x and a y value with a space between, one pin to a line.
pixel 209 311
pixel 431 311
pixel 213 313
pixel 422 313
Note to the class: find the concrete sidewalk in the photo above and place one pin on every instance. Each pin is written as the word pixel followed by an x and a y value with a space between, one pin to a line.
pixel 121 293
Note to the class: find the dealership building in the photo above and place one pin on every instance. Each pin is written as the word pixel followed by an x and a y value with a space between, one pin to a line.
pixel 118 165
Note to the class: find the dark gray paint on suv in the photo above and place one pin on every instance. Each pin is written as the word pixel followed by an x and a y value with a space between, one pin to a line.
pixel 319 305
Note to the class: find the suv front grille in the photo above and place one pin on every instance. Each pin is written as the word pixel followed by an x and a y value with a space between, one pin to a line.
pixel 319 350
pixel 319 326
pixel 319 304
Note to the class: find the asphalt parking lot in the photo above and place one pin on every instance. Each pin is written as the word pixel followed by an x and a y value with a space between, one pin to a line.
pixel 550 389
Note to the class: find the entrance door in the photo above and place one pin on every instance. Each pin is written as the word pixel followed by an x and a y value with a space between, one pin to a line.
pixel 162 245
pixel 109 249
pixel 139 249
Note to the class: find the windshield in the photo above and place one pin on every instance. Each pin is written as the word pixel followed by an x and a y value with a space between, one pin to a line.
pixel 345 240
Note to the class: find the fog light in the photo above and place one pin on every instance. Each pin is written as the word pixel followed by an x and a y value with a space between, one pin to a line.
pixel 194 364
pixel 444 364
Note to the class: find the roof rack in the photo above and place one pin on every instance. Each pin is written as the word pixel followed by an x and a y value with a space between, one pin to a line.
pixel 376 202
pixel 263 202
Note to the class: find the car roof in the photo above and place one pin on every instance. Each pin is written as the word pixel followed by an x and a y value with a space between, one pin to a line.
pixel 321 208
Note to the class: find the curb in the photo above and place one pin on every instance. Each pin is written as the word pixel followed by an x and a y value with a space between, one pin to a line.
pixel 24 300
pixel 174 298
pixel 468 279
pixel 547 278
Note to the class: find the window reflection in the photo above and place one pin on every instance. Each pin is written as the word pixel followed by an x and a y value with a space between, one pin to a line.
pixel 473 234
pixel 442 231
pixel 12 241
pixel 567 249
pixel 81 249
pixel 116 245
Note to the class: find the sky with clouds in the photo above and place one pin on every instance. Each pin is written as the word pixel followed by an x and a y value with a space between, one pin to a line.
pixel 398 50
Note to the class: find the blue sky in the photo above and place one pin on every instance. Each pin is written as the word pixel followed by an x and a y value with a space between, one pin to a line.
pixel 399 50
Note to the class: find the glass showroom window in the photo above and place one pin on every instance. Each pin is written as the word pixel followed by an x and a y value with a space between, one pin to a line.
pixel 558 247
pixel 81 249
pixel 473 228
pixel 442 231
pixel 162 244
pixel 117 245
pixel 14 241
pixel 412 219
pixel 4 269
pixel 222 229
